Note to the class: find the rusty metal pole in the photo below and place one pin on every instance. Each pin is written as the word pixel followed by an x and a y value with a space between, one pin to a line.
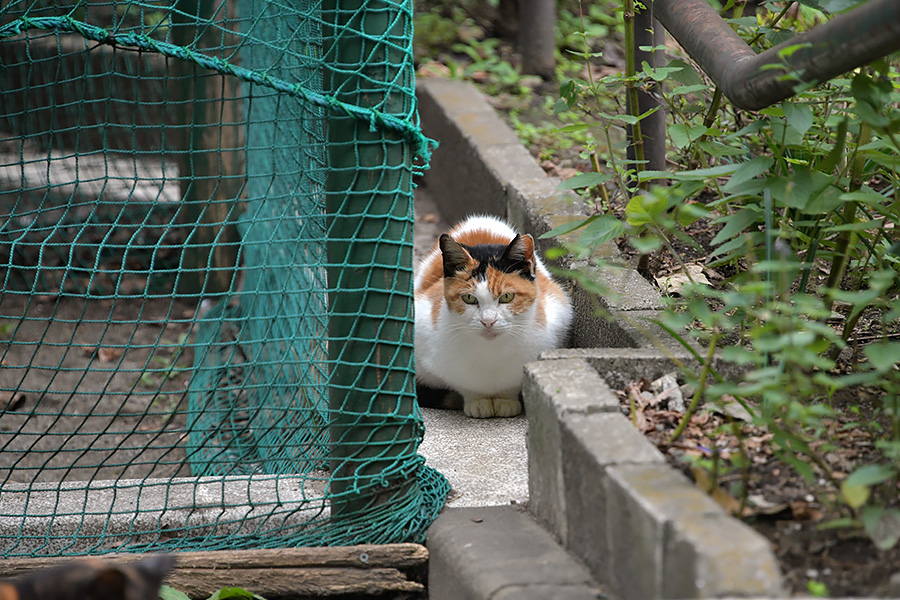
pixel 753 81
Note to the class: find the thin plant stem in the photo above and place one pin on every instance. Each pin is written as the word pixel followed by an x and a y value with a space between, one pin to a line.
pixel 698 393
pixel 843 246
pixel 637 140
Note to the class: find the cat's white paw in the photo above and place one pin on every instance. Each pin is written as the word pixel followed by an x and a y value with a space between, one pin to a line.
pixel 485 408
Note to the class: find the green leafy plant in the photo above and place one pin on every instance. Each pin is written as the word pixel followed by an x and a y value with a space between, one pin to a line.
pixel 803 197
pixel 168 356
pixel 227 593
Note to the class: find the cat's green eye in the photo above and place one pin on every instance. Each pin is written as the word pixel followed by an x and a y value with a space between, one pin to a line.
pixel 506 298
pixel 469 299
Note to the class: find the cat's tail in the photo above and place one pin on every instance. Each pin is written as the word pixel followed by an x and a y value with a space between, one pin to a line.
pixel 430 397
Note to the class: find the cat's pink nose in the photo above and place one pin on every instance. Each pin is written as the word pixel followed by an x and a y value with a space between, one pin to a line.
pixel 488 322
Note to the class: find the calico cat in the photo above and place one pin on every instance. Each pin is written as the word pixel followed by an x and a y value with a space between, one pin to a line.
pixel 92 579
pixel 485 305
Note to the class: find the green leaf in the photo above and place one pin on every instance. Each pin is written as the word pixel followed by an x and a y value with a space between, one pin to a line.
pixel 643 209
pixel 882 525
pixel 601 230
pixel 871 96
pixel 749 170
pixel 689 89
pixel 234 593
pixel 802 188
pixel 584 180
pixel 682 134
pixel 688 212
pixel 824 202
pixel 869 475
pixel 736 223
pixel 572 128
pixel 658 73
pixel 170 593
pixel 646 244
pixel 884 355
pixel 788 51
pixel 865 195
pixel 718 149
pixel 840 523
pixel 817 589
pixel 831 6
pixel 799 116
pixel 871 116
pixel 855 226
pixel 687 75
pixel 649 175
pixel 567 227
pixel 718 171
pixel 828 164
pixel 627 119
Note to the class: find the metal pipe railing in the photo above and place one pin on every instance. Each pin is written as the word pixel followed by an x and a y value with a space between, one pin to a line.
pixel 753 81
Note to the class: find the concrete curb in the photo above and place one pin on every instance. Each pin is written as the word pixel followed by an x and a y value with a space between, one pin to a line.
pixel 500 552
pixel 607 493
pixel 596 483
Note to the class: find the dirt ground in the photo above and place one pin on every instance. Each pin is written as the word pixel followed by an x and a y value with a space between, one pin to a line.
pixel 114 371
pixel 780 504
pixel 92 367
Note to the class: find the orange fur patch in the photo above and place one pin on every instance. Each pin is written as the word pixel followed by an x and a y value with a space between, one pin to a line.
pixel 454 289
pixel 525 291
pixel 8 592
pixel 432 273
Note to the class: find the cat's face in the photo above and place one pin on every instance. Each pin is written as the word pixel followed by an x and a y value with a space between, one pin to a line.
pixel 489 286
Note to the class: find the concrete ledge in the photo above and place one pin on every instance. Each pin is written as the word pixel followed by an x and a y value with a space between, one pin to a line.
pixel 553 391
pixel 606 492
pixel 618 366
pixel 82 517
pixel 480 167
pixel 500 553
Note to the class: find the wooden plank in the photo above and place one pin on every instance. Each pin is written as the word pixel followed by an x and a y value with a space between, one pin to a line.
pixel 362 556
pixel 327 571
pixel 309 581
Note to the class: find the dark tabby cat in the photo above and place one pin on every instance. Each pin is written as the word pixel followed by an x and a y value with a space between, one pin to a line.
pixel 92 579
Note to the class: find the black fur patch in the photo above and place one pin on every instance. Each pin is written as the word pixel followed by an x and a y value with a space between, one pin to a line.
pixel 494 255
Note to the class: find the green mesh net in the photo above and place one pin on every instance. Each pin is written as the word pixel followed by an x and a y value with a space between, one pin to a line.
pixel 205 276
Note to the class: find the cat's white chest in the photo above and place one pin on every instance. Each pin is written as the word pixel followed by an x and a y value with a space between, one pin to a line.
pixel 454 354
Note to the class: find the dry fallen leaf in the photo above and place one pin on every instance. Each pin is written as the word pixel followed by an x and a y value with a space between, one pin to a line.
pixel 674 283
pixel 723 498
pixel 433 69
pixel 108 355
pixel 758 505
pixel 12 400
pixel 803 511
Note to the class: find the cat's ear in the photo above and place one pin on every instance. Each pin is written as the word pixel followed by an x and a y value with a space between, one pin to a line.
pixel 521 249
pixel 456 258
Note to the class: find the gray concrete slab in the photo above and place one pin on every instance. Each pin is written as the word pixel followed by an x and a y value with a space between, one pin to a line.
pixel 77 517
pixel 500 552
pixel 484 460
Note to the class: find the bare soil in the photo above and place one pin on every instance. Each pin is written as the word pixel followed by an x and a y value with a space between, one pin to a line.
pixel 770 495
pixel 92 366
